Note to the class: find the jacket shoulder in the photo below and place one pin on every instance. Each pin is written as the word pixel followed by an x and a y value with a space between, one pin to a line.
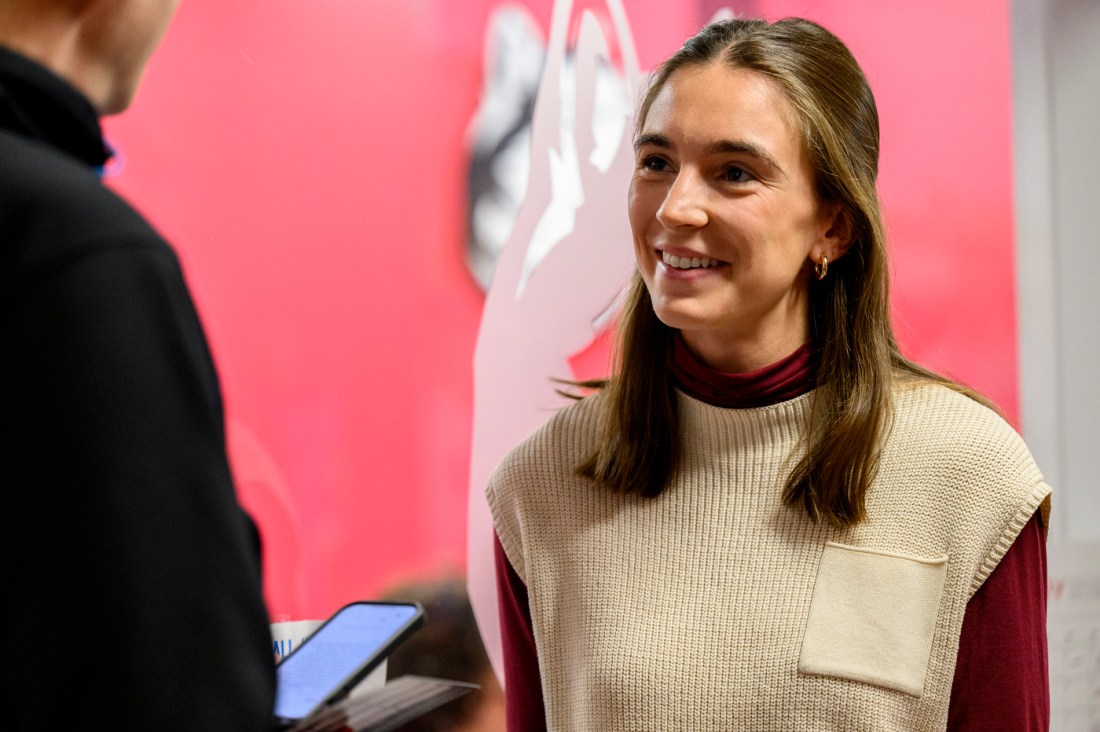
pixel 54 207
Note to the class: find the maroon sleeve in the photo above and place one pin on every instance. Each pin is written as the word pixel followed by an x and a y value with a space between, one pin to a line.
pixel 1001 679
pixel 522 682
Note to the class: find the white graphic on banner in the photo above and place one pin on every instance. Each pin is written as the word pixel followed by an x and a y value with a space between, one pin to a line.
pixel 567 259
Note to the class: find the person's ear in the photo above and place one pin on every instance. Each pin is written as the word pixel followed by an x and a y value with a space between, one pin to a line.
pixel 837 231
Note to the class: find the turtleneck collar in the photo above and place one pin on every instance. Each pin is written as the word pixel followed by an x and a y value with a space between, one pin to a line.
pixel 39 105
pixel 785 379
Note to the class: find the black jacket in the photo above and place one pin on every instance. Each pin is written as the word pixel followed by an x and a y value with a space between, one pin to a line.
pixel 130 575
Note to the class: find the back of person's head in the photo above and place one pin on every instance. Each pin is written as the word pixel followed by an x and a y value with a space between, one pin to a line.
pixel 448 646
pixel 101 47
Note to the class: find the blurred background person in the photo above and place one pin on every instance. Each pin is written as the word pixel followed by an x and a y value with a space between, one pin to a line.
pixel 448 646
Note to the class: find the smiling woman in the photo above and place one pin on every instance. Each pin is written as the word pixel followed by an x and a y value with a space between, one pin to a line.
pixel 767 518
pixel 721 175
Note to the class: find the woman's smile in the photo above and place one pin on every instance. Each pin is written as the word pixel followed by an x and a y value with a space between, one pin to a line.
pixel 688 262
pixel 688 267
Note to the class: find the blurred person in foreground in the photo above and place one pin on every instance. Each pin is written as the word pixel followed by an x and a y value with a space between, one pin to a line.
pixel 768 518
pixel 131 575
pixel 448 647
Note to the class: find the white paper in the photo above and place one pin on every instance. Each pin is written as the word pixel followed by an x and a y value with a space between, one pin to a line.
pixel 1073 636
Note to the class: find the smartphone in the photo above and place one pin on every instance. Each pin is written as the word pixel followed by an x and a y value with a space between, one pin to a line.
pixel 327 665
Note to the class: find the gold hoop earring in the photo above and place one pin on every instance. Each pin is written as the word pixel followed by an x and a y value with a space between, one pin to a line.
pixel 822 267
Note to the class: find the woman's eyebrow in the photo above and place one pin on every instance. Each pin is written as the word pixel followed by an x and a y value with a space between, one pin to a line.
pixel 654 139
pixel 744 147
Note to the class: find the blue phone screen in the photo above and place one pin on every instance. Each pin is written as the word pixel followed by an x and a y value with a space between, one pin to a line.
pixel 323 663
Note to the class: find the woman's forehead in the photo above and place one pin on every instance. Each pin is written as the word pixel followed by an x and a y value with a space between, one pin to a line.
pixel 715 102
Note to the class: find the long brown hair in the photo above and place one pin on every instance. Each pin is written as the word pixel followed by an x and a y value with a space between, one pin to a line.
pixel 859 361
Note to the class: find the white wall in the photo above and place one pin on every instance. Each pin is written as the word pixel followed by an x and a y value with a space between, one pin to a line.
pixel 1056 48
pixel 1056 74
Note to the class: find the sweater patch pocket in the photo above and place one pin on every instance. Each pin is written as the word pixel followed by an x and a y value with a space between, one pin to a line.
pixel 872 617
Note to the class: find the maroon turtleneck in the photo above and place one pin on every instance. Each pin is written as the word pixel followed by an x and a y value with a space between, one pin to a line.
pixel 1001 679
pixel 785 379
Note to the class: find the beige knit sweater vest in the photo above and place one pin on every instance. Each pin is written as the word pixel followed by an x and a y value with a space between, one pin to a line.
pixel 716 607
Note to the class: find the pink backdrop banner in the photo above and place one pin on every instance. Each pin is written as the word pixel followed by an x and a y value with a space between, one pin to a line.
pixel 309 162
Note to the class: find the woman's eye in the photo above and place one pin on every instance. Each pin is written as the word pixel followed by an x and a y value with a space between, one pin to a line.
pixel 734 174
pixel 654 163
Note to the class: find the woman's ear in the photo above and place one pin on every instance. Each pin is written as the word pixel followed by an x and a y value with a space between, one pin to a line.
pixel 837 230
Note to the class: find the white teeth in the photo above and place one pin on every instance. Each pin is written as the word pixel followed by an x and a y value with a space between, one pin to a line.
pixel 687 262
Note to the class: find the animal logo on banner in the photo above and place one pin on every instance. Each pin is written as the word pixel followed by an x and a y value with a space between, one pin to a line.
pixel 555 286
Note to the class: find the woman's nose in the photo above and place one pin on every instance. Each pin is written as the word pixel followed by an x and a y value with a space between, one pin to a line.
pixel 684 202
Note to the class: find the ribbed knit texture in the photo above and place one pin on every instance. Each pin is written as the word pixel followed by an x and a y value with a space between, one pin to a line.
pixel 688 611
